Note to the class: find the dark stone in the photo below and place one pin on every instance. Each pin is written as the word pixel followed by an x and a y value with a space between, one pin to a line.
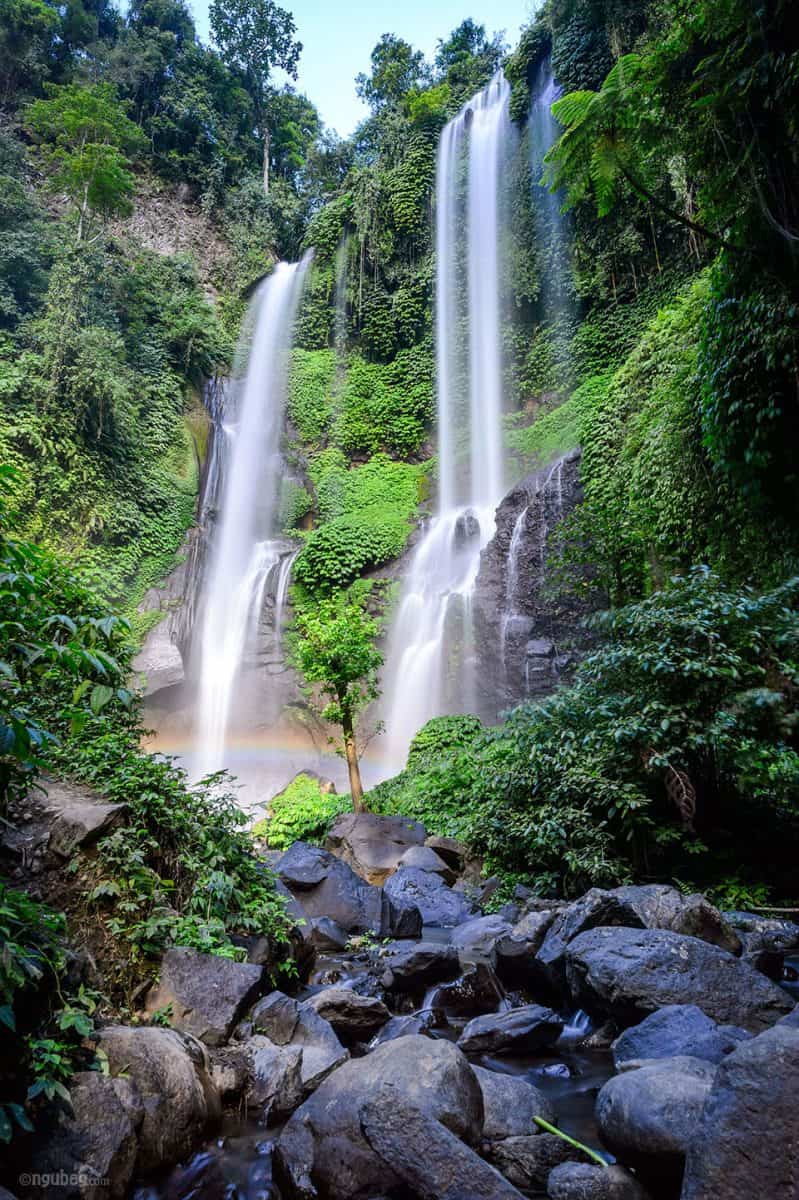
pixel 207 994
pixel 354 1018
pixel 522 1030
pixel 95 1143
pixel 401 918
pixel 409 966
pixel 527 1161
pixel 326 934
pixel 303 866
pixel 424 858
pixel 373 844
pixel 325 886
pixel 275 1083
pixel 472 994
pixel 580 1181
pixel 661 906
pixel 438 904
pixel 678 1029
pixel 413 1024
pixel 424 1155
pixel 510 1104
pixel 628 973
pixel 453 852
pixel 323 1144
pixel 467 528
pixel 746 1144
pixel 647 1117
pixel 476 940
pixel 286 1022
pixel 517 963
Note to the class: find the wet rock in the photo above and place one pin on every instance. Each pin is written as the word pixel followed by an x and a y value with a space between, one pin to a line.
pixel 286 1022
pixel 648 1116
pixel 275 1084
pixel 354 1018
pixel 401 918
pixel 207 994
pixel 453 852
pixel 523 1030
pixel 325 886
pixel 510 1104
pixel 409 966
pixel 372 844
pixel 326 934
pixel 516 953
pixel 747 1142
pixel 438 904
pixel 766 941
pixel 95 1143
pixel 424 858
pixel 474 993
pixel 527 1161
pixel 424 1155
pixel 170 1074
pixel 413 1024
pixel 678 1029
pixel 628 973
pixel 579 1181
pixel 476 940
pixel 467 528
pixel 323 1144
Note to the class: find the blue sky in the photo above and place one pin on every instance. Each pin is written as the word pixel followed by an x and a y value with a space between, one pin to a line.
pixel 338 36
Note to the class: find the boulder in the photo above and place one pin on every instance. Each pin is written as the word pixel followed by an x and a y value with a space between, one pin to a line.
pixel 510 1105
pixel 527 1161
pixel 661 906
pixel 77 817
pixel 438 904
pixel 414 1023
pixel 424 858
pixel 678 1029
pixel 476 940
pixel 323 1146
pixel 410 966
pixel 516 953
pixel 523 1030
pixel 96 1143
pixel 325 934
pixel 766 940
pixel 207 994
pixel 421 1152
pixel 648 1116
pixel 401 918
pixel 628 973
pixel 286 1022
pixel 475 992
pixel 372 844
pixel 170 1074
pixel 581 1181
pixel 747 1142
pixel 275 1085
pixel 453 852
pixel 354 1018
pixel 303 866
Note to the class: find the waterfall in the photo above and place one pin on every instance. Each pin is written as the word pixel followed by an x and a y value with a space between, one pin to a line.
pixel 551 229
pixel 245 558
pixel 430 660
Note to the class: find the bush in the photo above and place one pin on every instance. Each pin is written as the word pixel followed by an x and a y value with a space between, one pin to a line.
pixel 302 812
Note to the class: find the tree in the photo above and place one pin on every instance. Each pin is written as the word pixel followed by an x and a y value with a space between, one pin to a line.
pixel 254 36
pixel 468 58
pixel 85 134
pixel 396 68
pixel 333 647
pixel 27 28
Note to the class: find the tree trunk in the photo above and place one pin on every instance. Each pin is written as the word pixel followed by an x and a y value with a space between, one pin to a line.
pixel 267 148
pixel 351 752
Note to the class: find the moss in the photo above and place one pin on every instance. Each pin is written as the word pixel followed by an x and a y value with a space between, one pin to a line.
pixel 301 812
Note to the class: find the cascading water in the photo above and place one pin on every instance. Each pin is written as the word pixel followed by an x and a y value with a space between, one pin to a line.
pixel 245 559
pixel 430 660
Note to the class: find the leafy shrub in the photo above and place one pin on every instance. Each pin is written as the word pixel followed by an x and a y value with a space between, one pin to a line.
pixel 310 393
pixel 302 812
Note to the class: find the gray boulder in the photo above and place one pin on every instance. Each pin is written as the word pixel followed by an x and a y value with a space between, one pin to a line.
pixel 523 1030
pixel 323 1146
pixel 510 1105
pixel 96 1143
pixel 678 1029
pixel 325 934
pixel 475 992
pixel 274 1085
pixel 746 1144
pixel 527 1161
pixel 648 1116
pixel 207 994
pixel 286 1022
pixel 372 844
pixel 414 1023
pixel 438 904
pixel 581 1181
pixel 476 940
pixel 425 859
pixel 421 1152
pixel 453 852
pixel 169 1072
pixel 354 1018
pixel 628 973
pixel 409 966
pixel 516 954
pixel 78 818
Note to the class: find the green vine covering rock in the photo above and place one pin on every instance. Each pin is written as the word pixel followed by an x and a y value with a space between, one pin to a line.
pixel 302 812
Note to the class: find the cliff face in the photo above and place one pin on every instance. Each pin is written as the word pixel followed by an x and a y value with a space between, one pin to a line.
pixel 527 637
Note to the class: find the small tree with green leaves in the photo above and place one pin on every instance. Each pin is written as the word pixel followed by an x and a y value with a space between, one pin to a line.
pixel 85 137
pixel 333 648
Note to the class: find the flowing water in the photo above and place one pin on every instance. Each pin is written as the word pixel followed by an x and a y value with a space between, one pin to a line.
pixel 430 659
pixel 245 557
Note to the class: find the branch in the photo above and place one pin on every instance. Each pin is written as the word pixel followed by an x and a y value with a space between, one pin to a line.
pixel 675 216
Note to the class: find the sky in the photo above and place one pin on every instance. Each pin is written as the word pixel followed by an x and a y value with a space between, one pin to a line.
pixel 338 37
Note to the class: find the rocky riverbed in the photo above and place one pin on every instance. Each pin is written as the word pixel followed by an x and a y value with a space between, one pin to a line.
pixel 424 1042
